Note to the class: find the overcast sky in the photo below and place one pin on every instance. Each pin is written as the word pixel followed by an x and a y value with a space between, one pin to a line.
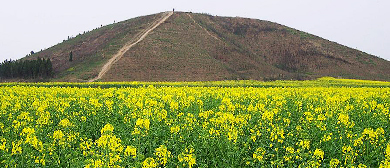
pixel 28 25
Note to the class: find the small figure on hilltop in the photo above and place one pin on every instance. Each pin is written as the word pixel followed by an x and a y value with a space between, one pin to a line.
pixel 173 9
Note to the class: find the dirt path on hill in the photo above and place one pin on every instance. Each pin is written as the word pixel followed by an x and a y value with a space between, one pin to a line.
pixel 215 37
pixel 127 46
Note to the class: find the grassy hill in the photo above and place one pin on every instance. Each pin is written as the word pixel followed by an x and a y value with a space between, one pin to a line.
pixel 199 47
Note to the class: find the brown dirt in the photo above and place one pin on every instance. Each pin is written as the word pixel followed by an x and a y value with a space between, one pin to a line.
pixel 92 49
pixel 125 48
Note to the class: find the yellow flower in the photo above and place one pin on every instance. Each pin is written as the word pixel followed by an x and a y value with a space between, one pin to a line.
pixel 33 140
pixel 149 163
pixel 344 119
pixel 114 158
pixel 387 152
pixel 109 104
pixel 319 154
pixel 309 116
pixel 40 160
pixel 162 154
pixel 232 134
pixel 131 151
pixel 268 115
pixel 107 129
pixel 347 149
pixel 95 102
pixel 259 154
pixel 141 124
pixel 362 165
pixel 334 163
pixel 3 141
pixel 290 149
pixel 30 138
pixel 305 144
pixel 385 164
pixel 380 131
pixel 16 149
pixel 110 141
pixel 327 137
pixel 83 118
pixel 85 145
pixel 187 157
pixel 174 105
pixel 95 164
pixel 175 129
pixel 44 118
pixel 370 132
pixel 28 131
pixel 65 123
pixel 58 135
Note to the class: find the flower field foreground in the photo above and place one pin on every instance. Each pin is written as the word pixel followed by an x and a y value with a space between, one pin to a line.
pixel 194 127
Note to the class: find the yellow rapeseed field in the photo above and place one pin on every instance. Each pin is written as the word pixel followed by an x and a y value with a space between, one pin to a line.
pixel 332 124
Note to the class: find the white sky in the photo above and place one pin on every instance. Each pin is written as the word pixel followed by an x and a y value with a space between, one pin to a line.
pixel 28 25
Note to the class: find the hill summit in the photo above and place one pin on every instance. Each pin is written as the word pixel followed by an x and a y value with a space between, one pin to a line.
pixel 185 46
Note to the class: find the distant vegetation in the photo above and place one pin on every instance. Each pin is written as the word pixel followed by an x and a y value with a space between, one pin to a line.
pixel 71 56
pixel 320 82
pixel 27 69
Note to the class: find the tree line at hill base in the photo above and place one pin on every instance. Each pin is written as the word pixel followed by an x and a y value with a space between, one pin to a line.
pixel 26 69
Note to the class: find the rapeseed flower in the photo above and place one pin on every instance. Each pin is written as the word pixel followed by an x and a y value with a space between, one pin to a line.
pixel 65 123
pixel 259 154
pixel 162 155
pixel 149 163
pixel 58 135
pixel 319 154
pixel 131 151
pixel 187 157
pixel 334 163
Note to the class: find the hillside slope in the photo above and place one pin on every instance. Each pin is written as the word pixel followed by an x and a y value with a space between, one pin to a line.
pixel 93 49
pixel 127 47
pixel 198 47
